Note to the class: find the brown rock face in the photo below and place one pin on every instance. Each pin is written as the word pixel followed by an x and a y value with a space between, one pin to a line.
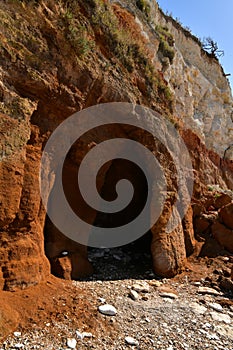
pixel 223 235
pixel 226 215
pixel 222 200
pixel 71 267
pixel 9 319
pixel 22 259
pixel 189 239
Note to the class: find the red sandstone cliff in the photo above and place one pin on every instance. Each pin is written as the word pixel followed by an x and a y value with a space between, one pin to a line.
pixel 59 58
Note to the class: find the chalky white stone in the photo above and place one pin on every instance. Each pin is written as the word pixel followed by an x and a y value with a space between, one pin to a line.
pixel 197 308
pixel 220 317
pixel 17 334
pixel 108 310
pixel 216 307
pixel 71 343
pixel 131 341
pixel 133 294
pixel 207 290
pixel 141 288
pixel 168 295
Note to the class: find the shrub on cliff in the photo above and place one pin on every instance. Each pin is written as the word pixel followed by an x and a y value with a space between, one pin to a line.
pixel 166 42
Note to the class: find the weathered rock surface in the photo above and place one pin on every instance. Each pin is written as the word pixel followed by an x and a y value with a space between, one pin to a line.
pixel 226 215
pixel 223 235
pixel 44 81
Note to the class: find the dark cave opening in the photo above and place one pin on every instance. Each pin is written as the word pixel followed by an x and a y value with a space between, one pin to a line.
pixel 69 258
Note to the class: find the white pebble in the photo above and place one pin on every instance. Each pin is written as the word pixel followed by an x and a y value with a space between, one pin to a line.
pixel 225 258
pixel 216 307
pixel 79 335
pixel 108 310
pixel 144 288
pixel 102 300
pixel 71 343
pixel 168 295
pixel 17 334
pixel 133 294
pixel 131 341
pixel 220 317
pixel 87 335
pixel 197 308
pixel 207 290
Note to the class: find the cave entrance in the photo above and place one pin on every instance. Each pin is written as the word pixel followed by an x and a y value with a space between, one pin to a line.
pixel 134 259
pixel 68 258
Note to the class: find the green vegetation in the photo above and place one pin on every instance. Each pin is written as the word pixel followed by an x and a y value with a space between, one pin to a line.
pixel 83 28
pixel 129 50
pixel 76 31
pixel 166 42
pixel 144 6
pixel 118 39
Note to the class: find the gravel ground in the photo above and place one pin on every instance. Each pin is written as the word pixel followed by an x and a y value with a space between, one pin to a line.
pixel 150 313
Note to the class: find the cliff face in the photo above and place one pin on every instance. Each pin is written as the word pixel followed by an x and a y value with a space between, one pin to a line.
pixel 202 94
pixel 59 58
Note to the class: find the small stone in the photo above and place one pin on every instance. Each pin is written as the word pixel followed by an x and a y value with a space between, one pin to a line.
pixel 207 290
pixel 155 283
pixel 108 310
pixel 19 346
pixel 131 341
pixel 79 335
pixel 133 294
pixel 102 300
pixel 168 295
pixel 220 317
pixel 147 320
pixel 71 343
pixel 98 254
pixel 225 258
pixel 87 335
pixel 207 325
pixel 216 307
pixel 197 284
pixel 198 309
pixel 17 334
pixel 64 253
pixel 117 257
pixel 141 288
pixel 168 300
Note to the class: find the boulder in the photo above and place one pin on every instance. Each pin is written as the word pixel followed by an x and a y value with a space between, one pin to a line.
pixel 73 266
pixel 223 235
pixel 201 224
pixel 226 215
pixel 222 200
